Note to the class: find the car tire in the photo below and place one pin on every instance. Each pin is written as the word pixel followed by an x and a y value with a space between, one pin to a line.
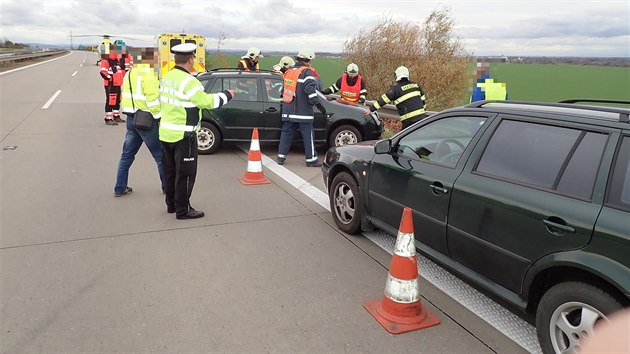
pixel 562 308
pixel 344 135
pixel 345 203
pixel 209 139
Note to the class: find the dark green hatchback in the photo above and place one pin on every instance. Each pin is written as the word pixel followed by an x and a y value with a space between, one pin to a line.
pixel 530 201
pixel 257 105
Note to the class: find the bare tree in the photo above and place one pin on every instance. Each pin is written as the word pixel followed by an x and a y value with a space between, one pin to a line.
pixel 436 58
pixel 218 61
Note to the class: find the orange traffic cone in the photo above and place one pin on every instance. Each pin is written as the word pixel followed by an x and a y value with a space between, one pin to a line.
pixel 400 310
pixel 254 173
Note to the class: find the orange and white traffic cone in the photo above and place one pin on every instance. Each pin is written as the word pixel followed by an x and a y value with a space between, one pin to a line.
pixel 401 310
pixel 254 173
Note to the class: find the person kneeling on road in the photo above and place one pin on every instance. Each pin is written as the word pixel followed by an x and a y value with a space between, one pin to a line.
pixel 182 96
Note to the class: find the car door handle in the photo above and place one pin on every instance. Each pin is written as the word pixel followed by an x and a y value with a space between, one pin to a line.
pixel 271 109
pixel 438 189
pixel 557 228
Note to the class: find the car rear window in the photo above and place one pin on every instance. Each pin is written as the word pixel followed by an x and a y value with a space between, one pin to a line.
pixel 619 193
pixel 561 159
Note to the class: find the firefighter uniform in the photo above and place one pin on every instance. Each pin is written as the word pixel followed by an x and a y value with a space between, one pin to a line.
pixel 352 88
pixel 249 61
pixel 298 98
pixel 407 96
pixel 112 75
pixel 181 97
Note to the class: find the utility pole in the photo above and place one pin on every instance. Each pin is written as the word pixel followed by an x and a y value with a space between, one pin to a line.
pixel 71 47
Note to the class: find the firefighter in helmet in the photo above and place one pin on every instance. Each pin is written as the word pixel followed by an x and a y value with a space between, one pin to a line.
pixel 249 61
pixel 351 86
pixel 406 95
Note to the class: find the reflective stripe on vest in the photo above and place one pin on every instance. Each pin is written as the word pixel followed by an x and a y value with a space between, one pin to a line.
pixel 350 93
pixel 407 96
pixel 291 78
pixel 411 114
pixel 246 67
pixel 177 127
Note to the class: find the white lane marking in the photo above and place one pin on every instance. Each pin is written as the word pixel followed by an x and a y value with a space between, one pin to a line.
pixel 50 101
pixel 32 65
pixel 512 326
pixel 74 73
pixel 81 65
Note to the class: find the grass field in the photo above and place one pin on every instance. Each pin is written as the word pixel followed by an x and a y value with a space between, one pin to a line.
pixel 532 82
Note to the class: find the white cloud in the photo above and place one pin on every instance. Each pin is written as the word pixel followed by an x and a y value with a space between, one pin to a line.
pixel 534 27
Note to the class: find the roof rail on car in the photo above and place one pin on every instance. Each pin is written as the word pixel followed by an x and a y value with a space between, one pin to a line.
pixel 243 71
pixel 623 113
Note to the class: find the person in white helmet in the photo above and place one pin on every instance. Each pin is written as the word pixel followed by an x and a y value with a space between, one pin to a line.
pixel 284 64
pixel 299 96
pixel 351 86
pixel 406 95
pixel 249 61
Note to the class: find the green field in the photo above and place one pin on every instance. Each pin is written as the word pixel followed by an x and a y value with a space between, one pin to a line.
pixel 531 82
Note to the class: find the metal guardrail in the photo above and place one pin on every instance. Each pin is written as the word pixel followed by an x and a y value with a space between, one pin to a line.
pixel 21 56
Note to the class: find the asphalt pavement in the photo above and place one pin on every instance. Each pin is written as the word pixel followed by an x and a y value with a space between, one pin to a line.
pixel 265 271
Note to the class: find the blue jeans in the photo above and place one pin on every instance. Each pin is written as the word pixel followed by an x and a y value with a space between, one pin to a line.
pixel 286 138
pixel 133 141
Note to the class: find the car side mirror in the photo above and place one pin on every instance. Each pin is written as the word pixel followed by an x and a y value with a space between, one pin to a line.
pixel 383 147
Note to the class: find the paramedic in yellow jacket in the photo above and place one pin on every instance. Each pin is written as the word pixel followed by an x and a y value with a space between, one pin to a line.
pixel 182 97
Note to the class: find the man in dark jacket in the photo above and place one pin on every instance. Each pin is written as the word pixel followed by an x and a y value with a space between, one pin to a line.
pixel 298 98
pixel 406 95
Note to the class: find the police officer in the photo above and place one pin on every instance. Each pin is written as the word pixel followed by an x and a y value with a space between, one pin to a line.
pixel 299 95
pixel 351 85
pixel 249 61
pixel 182 96
pixel 406 95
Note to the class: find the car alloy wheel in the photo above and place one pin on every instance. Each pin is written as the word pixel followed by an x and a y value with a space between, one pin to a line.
pixel 208 139
pixel 567 314
pixel 344 135
pixel 345 203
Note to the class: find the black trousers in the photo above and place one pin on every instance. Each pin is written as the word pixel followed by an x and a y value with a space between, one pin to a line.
pixel 180 171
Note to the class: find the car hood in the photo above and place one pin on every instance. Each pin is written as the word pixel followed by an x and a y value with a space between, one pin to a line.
pixel 351 154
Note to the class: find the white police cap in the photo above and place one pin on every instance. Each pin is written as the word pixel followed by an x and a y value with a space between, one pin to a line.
pixel 184 49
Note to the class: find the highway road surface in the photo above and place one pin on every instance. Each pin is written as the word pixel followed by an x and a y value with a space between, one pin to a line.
pixel 265 271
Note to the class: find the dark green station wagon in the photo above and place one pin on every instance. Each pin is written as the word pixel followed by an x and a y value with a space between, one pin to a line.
pixel 529 201
pixel 257 105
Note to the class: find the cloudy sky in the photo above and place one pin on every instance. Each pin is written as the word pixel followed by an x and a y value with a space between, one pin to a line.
pixel 498 27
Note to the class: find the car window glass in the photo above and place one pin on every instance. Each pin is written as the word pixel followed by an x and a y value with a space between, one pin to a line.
pixel 619 194
pixel 246 88
pixel 217 86
pixel 442 141
pixel 578 178
pixel 540 155
pixel 274 90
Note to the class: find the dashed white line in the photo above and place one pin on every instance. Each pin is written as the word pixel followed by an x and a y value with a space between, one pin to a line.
pixel 74 73
pixel 50 101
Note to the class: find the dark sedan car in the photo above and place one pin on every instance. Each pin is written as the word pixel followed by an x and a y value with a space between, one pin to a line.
pixel 257 105
pixel 530 201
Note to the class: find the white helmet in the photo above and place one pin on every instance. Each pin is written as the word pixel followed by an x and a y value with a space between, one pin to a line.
pixel 352 68
pixel 306 53
pixel 286 62
pixel 254 52
pixel 401 72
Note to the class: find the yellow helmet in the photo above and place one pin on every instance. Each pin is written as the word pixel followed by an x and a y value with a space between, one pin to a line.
pixel 286 62
pixel 306 53
pixel 352 68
